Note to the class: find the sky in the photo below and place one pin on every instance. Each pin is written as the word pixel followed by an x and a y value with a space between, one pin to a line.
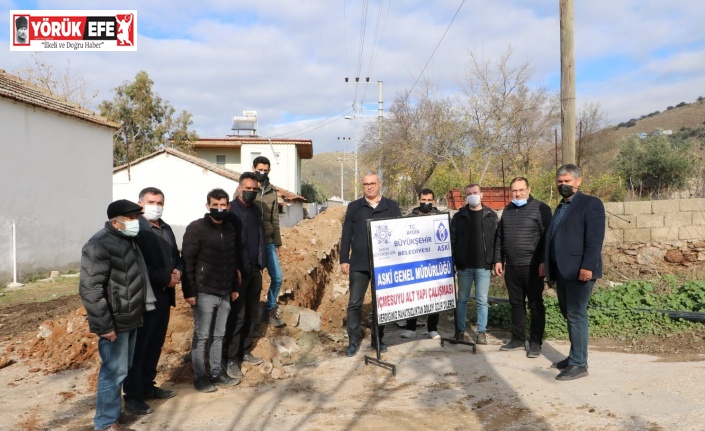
pixel 288 60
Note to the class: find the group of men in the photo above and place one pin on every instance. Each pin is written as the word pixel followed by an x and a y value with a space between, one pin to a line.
pixel 526 246
pixel 129 271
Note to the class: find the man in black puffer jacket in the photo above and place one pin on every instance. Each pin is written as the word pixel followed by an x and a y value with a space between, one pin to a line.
pixel 212 260
pixel 114 287
pixel 519 255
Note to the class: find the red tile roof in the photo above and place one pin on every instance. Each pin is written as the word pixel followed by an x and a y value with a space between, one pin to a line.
pixel 19 90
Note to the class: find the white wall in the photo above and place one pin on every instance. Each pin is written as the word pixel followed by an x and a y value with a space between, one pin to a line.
pixel 184 184
pixel 55 176
pixel 285 169
pixel 232 158
pixel 291 214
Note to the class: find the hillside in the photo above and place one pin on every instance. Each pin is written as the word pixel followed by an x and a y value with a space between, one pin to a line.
pixel 692 116
pixel 323 170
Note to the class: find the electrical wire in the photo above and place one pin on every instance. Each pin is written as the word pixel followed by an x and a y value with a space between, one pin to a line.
pixel 328 120
pixel 439 44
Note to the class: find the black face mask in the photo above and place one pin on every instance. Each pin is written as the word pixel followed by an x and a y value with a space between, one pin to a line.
pixel 218 213
pixel 261 177
pixel 565 190
pixel 248 196
pixel 425 207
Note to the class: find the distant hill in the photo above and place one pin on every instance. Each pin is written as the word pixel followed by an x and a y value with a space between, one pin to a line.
pixel 691 115
pixel 323 170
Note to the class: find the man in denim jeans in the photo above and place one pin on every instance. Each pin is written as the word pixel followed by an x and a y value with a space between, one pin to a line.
pixel 472 232
pixel 211 252
pixel 114 287
pixel 266 200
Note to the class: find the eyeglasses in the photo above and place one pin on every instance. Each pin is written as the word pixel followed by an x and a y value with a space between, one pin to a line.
pixel 369 184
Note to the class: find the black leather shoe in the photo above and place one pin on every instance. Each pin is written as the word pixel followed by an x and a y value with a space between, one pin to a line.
pixel 534 350
pixel 203 384
pixel 352 349
pixel 223 379
pixel 137 407
pixel 572 372
pixel 560 365
pixel 158 393
pixel 513 344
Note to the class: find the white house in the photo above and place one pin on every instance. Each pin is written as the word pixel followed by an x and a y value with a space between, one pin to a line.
pixel 55 165
pixel 237 153
pixel 185 181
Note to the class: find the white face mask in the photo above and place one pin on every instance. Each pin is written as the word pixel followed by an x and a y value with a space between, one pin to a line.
pixel 132 227
pixel 153 212
pixel 473 200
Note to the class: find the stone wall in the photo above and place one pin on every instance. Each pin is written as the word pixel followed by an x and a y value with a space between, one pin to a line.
pixel 652 232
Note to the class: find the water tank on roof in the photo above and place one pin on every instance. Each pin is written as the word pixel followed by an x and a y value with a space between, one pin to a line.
pixel 247 123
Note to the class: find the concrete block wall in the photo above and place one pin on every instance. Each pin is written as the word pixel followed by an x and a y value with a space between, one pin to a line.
pixel 655 221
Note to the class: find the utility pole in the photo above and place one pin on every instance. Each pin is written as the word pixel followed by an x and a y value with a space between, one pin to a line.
pixel 342 165
pixel 567 82
pixel 380 115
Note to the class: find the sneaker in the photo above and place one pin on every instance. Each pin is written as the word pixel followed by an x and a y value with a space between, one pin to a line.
pixel 513 344
pixel 572 372
pixel 275 318
pixel 534 350
pixel 137 407
pixel 233 370
pixel 481 338
pixel 466 337
pixel 158 393
pixel 203 384
pixel 560 365
pixel 252 359
pixel 382 347
pixel 434 335
pixel 352 349
pixel 408 334
pixel 223 379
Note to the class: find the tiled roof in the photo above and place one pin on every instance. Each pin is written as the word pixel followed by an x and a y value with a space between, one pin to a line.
pixel 19 90
pixel 303 146
pixel 227 173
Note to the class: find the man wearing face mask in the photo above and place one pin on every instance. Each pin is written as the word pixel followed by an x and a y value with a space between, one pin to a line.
pixel 426 198
pixel 519 257
pixel 269 207
pixel 114 288
pixel 472 234
pixel 573 259
pixel 158 246
pixel 212 261
pixel 243 320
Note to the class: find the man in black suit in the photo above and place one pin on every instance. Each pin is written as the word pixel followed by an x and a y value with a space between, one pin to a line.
pixel 573 256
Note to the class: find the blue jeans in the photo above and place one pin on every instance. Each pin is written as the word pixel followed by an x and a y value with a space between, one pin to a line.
pixel 209 307
pixel 573 299
pixel 275 274
pixel 481 278
pixel 116 359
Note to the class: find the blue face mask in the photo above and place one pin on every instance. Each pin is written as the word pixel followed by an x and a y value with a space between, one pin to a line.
pixel 519 202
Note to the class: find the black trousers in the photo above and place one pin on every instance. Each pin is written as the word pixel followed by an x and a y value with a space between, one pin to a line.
pixel 243 318
pixel 359 280
pixel 432 322
pixel 148 348
pixel 523 283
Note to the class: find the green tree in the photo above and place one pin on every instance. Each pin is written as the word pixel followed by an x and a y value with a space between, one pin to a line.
pixel 147 122
pixel 654 165
pixel 312 192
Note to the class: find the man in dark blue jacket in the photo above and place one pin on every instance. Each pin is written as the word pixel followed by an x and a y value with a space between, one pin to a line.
pixel 243 320
pixel 573 259
pixel 355 254
pixel 158 246
pixel 521 235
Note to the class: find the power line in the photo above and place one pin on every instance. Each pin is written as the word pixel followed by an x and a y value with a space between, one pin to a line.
pixel 324 122
pixel 439 44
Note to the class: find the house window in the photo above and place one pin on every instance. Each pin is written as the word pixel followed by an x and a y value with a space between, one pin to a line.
pixel 220 159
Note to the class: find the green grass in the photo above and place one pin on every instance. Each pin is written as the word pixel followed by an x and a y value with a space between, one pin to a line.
pixel 39 291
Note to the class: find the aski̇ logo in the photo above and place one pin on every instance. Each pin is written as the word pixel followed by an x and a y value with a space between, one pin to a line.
pixel 116 29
